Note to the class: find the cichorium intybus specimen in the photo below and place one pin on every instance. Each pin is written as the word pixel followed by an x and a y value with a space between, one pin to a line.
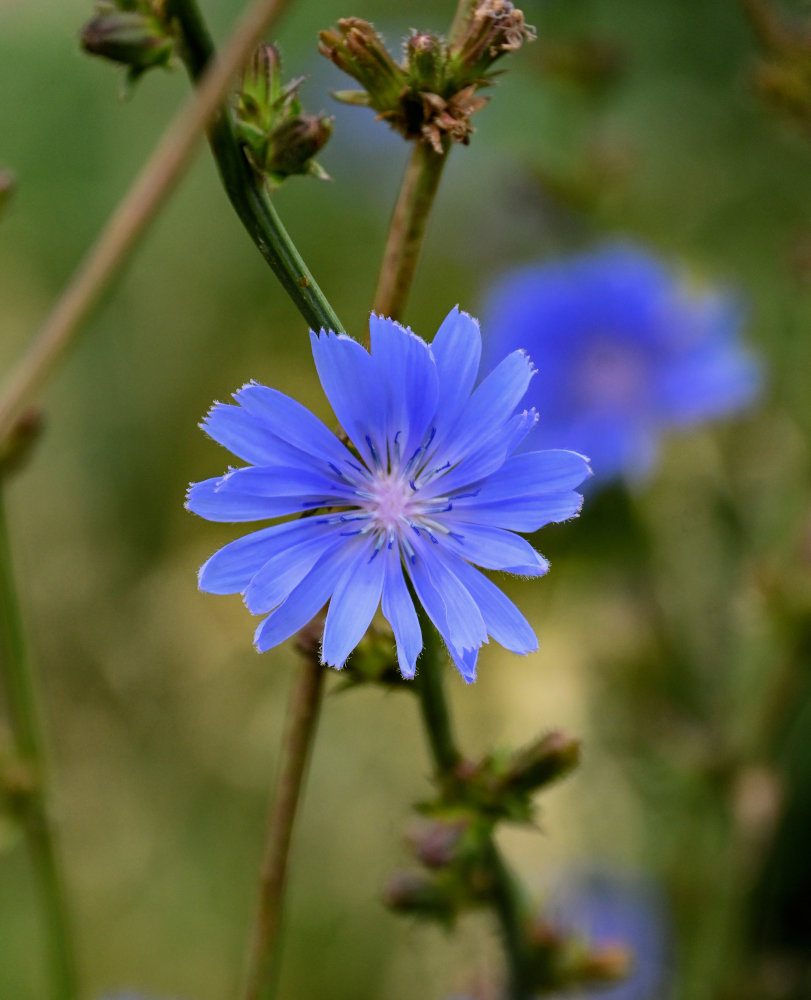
pixel 427 490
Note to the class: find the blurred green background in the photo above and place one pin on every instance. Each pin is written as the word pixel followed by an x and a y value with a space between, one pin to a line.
pixel 672 620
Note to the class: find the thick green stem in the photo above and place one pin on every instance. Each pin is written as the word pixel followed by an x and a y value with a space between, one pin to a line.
pixel 302 717
pixel 29 793
pixel 506 899
pixel 246 189
pixel 407 229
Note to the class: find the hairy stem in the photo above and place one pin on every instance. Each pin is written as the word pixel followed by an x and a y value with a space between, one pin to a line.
pixel 407 229
pixel 246 189
pixel 507 902
pixel 131 218
pixel 28 788
pixel 302 716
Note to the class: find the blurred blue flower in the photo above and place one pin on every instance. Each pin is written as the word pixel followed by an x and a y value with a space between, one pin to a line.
pixel 624 351
pixel 430 486
pixel 610 908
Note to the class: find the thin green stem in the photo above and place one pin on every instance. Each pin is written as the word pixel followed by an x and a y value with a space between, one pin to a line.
pixel 246 189
pixel 305 703
pixel 20 686
pixel 433 706
pixel 508 903
pixel 407 229
pixel 132 217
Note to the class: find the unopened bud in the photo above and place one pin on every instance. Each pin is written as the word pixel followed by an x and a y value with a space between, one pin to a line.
pixel 16 447
pixel 551 757
pixel 7 186
pixel 425 61
pixel 357 49
pixel 261 80
pixel 436 843
pixel 294 143
pixel 414 892
pixel 135 38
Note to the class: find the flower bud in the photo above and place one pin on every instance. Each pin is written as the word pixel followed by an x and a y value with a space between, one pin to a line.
pixel 134 37
pixel 425 61
pixel 293 145
pixel 16 447
pixel 436 843
pixel 357 49
pixel 546 760
pixel 7 186
pixel 419 894
pixel 279 139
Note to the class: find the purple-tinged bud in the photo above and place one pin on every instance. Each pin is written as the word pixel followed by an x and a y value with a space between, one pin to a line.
pixel 436 843
pixel 136 38
pixel 419 894
pixel 426 61
pixel 7 187
pixel 261 84
pixel 16 447
pixel 546 760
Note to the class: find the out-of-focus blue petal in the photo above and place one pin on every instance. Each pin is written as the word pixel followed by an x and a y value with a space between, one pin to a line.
pixel 491 405
pixel 231 568
pixel 625 351
pixel 494 548
pixel 457 349
pixel 287 567
pixel 399 611
pixel 504 621
pixel 407 382
pixel 706 385
pixel 610 908
pixel 205 500
pixel 307 599
pixel 349 381
pixel 353 604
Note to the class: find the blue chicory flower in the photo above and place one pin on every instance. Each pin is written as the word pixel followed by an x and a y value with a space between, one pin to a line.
pixel 430 487
pixel 610 908
pixel 624 352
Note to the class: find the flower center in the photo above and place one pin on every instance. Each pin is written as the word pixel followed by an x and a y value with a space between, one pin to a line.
pixel 393 501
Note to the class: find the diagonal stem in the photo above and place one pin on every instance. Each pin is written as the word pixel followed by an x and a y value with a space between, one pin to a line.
pixel 246 190
pixel 29 787
pixel 136 211
pixel 303 713
pixel 407 229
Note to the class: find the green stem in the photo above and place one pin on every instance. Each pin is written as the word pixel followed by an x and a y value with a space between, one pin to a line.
pixel 246 189
pixel 18 678
pixel 508 903
pixel 407 229
pixel 303 713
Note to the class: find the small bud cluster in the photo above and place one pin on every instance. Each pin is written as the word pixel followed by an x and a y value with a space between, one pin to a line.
pixel 135 33
pixel 431 94
pixel 782 75
pixel 278 138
